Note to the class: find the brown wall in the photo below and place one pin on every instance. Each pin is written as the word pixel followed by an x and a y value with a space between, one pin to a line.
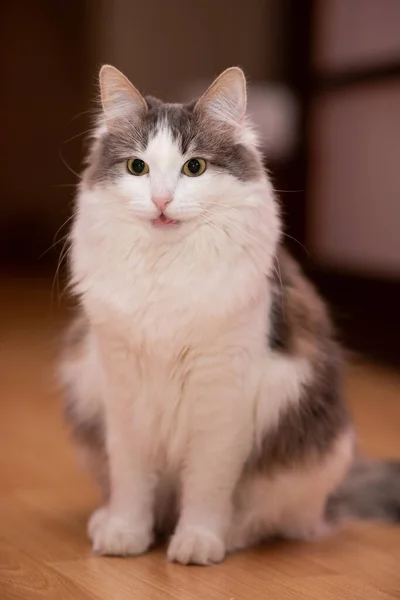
pixel 162 44
pixel 42 88
pixel 354 217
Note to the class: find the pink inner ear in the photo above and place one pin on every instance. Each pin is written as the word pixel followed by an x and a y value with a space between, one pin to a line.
pixel 225 99
pixel 118 95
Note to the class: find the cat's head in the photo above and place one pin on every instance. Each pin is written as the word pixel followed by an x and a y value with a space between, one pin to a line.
pixel 172 167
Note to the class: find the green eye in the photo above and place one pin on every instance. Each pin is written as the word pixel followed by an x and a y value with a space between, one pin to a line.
pixel 194 167
pixel 136 166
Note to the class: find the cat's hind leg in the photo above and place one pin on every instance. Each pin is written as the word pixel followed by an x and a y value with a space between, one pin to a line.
pixel 290 502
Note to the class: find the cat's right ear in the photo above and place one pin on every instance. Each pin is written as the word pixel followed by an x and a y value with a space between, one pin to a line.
pixel 119 98
pixel 225 99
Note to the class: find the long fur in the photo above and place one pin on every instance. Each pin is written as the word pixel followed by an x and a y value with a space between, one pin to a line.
pixel 202 375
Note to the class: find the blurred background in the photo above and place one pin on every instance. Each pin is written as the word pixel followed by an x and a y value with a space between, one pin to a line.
pixel 324 92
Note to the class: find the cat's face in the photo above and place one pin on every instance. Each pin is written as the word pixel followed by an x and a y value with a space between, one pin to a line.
pixel 176 167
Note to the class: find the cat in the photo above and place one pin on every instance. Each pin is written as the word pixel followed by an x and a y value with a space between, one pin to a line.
pixel 202 374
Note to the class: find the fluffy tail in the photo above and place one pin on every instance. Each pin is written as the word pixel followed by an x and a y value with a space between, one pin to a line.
pixel 370 491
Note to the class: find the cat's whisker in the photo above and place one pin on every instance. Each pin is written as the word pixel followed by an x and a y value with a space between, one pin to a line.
pixel 55 241
pixel 63 256
pixel 222 205
pixel 234 227
pixel 74 137
pixel 288 191
pixel 234 208
pixel 70 169
pixel 66 185
pixel 90 111
pixel 245 234
pixel 64 224
pixel 297 242
pixel 211 224
pixel 62 239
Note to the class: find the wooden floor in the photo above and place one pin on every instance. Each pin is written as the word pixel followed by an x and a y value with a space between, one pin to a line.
pixel 45 499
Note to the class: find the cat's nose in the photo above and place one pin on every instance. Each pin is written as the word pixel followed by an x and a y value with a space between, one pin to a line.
pixel 161 201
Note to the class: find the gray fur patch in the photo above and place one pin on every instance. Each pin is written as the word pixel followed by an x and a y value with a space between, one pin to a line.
pixel 193 131
pixel 90 438
pixel 76 333
pixel 89 432
pixel 279 330
pixel 301 327
pixel 309 429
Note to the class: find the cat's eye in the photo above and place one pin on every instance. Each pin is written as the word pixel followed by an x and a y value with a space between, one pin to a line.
pixel 137 166
pixel 194 167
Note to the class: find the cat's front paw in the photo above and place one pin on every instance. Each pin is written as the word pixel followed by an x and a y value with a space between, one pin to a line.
pixel 196 545
pixel 115 535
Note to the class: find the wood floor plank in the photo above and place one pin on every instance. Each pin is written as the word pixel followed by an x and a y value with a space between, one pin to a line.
pixel 23 577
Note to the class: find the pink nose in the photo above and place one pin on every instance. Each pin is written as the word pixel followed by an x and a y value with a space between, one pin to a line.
pixel 161 201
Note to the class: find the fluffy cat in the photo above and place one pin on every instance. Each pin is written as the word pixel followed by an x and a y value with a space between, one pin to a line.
pixel 202 375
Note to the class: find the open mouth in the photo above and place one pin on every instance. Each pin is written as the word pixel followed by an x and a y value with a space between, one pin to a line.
pixel 164 222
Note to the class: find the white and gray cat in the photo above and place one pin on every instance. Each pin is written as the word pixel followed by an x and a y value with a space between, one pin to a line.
pixel 202 375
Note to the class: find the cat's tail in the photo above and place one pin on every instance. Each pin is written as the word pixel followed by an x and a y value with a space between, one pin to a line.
pixel 371 491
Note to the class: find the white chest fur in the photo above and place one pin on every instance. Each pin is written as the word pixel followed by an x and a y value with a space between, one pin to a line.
pixel 175 317
pixel 162 290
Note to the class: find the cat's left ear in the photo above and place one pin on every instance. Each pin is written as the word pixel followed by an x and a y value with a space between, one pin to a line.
pixel 226 98
pixel 119 97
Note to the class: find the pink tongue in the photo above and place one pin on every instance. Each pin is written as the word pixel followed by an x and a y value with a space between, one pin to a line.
pixel 163 220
